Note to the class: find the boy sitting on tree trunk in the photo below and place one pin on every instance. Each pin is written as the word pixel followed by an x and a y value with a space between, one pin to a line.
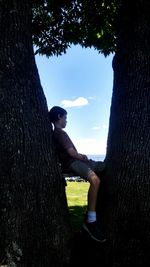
pixel 72 161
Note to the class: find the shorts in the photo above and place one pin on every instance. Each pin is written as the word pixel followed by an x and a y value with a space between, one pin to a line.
pixel 84 169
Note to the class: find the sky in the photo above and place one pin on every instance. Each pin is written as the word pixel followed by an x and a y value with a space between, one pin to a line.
pixel 80 81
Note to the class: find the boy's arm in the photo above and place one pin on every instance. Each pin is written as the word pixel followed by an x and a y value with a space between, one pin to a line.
pixel 74 154
pixel 64 140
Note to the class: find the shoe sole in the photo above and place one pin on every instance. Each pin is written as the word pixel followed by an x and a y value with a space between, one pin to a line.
pixel 93 237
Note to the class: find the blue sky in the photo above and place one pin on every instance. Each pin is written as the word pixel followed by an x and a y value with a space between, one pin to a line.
pixel 80 81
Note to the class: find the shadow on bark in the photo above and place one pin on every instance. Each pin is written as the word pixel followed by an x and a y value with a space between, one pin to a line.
pixel 87 252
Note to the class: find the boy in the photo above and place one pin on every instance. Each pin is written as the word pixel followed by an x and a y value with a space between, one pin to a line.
pixel 79 164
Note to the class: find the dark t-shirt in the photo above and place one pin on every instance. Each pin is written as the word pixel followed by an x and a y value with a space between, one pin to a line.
pixel 63 143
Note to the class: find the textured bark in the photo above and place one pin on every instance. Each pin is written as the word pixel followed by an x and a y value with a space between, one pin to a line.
pixel 128 152
pixel 34 229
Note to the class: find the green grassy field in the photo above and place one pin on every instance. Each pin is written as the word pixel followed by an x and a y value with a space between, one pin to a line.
pixel 77 202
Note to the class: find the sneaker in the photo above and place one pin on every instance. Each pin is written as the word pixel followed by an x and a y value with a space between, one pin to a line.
pixel 94 231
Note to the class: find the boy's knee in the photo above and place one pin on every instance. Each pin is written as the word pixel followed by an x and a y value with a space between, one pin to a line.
pixel 94 179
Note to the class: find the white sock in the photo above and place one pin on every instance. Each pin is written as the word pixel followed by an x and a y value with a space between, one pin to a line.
pixel 91 216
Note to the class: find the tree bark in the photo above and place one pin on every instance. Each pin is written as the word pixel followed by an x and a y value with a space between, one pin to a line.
pixel 34 224
pixel 127 177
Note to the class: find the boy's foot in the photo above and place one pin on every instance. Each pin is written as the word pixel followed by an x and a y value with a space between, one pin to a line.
pixel 94 231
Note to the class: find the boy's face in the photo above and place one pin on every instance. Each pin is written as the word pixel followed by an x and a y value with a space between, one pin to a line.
pixel 63 121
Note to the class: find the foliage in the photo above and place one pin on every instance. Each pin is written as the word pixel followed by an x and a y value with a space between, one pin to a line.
pixel 58 24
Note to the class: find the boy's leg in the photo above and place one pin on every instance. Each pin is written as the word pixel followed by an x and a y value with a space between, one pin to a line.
pixel 93 191
pixel 82 169
pixel 90 225
pixel 87 171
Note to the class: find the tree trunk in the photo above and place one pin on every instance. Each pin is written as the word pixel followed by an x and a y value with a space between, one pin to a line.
pixel 127 216
pixel 34 225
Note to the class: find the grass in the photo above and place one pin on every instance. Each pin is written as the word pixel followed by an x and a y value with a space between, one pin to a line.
pixel 77 202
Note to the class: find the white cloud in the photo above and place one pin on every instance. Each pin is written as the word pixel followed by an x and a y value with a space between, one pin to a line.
pixel 91 146
pixel 96 128
pixel 78 102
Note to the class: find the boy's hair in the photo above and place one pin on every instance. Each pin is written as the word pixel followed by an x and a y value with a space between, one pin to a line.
pixel 55 112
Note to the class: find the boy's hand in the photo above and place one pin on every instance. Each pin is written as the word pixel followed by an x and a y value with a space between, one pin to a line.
pixel 73 153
